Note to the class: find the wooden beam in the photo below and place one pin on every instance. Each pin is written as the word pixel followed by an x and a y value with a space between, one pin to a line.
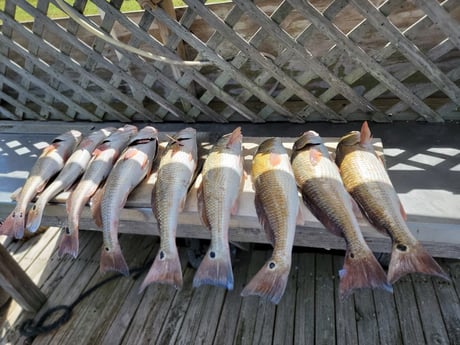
pixel 16 282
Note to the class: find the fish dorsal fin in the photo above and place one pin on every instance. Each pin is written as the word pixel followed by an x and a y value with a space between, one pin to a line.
pixel 366 135
pixel 201 206
pixel 263 219
pixel 315 156
pixel 275 159
pixel 236 134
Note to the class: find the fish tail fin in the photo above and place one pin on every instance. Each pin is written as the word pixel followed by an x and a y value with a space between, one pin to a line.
pixel 215 269
pixel 270 282
pixel 69 243
pixel 113 260
pixel 34 217
pixel 166 269
pixel 14 224
pixel 360 272
pixel 412 258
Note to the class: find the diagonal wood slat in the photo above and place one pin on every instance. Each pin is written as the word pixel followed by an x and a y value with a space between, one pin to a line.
pixel 272 60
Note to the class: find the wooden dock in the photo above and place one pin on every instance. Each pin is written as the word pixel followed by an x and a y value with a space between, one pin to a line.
pixel 421 310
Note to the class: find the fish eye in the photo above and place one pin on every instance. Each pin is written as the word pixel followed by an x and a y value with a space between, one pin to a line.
pixel 401 247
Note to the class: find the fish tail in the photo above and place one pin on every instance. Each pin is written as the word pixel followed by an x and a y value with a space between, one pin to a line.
pixel 360 272
pixel 34 217
pixel 69 243
pixel 270 282
pixel 166 269
pixel 215 269
pixel 113 260
pixel 14 224
pixel 412 258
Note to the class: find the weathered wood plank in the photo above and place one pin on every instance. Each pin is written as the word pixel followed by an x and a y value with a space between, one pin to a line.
pixel 366 318
pixel 387 318
pixel 304 332
pixel 14 281
pixel 430 314
pixel 365 60
pixel 325 330
pixel 409 317
pixel 345 319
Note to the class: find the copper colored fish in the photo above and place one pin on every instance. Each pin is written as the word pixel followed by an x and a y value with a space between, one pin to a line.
pixel 73 168
pixel 104 157
pixel 175 175
pixel 50 162
pixel 217 200
pixel 277 207
pixel 325 196
pixel 130 169
pixel 366 179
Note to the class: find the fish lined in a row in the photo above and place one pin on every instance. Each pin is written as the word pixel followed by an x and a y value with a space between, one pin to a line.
pixel 325 187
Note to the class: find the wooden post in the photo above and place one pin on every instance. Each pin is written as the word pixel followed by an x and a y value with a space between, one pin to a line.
pixel 18 284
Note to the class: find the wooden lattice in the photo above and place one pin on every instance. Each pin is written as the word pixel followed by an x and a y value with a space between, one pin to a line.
pixel 293 60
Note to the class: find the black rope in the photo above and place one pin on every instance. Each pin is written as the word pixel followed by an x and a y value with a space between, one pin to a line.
pixel 31 329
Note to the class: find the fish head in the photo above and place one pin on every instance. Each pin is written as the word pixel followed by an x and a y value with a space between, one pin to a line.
pixel 97 136
pixel 348 143
pixel 271 154
pixel 307 141
pixel 184 140
pixel 231 141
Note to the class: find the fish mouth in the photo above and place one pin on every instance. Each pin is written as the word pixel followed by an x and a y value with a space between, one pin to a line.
pixel 177 140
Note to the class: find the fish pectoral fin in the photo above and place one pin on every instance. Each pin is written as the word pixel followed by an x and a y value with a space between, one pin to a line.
pixel 96 212
pixel 275 159
pixel 355 207
pixel 130 153
pixel 14 196
pixel 50 148
pixel 263 219
pixel 201 206
pixel 315 156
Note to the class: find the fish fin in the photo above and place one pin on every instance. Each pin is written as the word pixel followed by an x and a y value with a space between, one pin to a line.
pixel 14 196
pixel 13 225
pixel 300 219
pixel 69 243
pixel 50 148
pixel 366 135
pixel 263 219
pixel 113 260
pixel 130 153
pixel 355 208
pixel 201 206
pixel 182 203
pixel 236 135
pixel 34 217
pixel 215 269
pixel 166 269
pixel 269 282
pixel 235 207
pixel 412 258
pixel 315 156
pixel 402 210
pixel 275 159
pixel 96 202
pixel 361 271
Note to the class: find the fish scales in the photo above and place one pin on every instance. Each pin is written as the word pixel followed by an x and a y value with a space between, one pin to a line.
pixel 217 199
pixel 324 194
pixel 366 179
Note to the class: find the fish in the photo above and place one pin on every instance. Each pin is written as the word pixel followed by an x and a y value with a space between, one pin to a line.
pixel 48 164
pixel 103 158
pixel 174 177
pixel 72 170
pixel 277 206
pixel 222 176
pixel 366 179
pixel 133 165
pixel 324 194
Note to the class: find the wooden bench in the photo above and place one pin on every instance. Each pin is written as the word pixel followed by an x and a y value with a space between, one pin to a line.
pixel 431 213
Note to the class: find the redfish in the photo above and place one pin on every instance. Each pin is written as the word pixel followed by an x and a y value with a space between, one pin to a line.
pixel 174 177
pixel 366 179
pixel 277 206
pixel 217 199
pixel 50 162
pixel 130 169
pixel 102 161
pixel 325 196
pixel 72 170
